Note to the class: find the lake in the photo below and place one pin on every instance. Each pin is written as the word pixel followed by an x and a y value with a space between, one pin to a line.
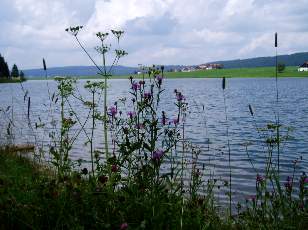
pixel 206 125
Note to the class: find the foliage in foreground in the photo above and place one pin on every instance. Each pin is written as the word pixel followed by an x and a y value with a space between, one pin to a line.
pixel 148 177
pixel 34 199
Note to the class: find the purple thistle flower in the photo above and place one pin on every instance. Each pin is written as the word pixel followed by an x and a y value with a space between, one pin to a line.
pixel 306 180
pixel 157 155
pixel 180 97
pixel 159 79
pixel 113 111
pixel 135 86
pixel 147 95
pixel 259 178
pixel 140 126
pixel 175 121
pixel 131 114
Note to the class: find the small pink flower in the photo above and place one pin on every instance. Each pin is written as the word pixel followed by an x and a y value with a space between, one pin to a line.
pixel 124 226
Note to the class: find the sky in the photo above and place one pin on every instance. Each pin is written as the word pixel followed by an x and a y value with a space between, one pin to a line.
pixel 184 32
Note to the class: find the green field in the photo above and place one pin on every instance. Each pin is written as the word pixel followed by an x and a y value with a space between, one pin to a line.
pixel 241 72
pixel 290 71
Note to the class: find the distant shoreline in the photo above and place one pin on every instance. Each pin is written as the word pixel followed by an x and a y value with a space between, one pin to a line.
pixel 258 72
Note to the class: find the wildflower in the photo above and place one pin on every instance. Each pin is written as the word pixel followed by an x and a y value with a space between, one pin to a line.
pixel 179 96
pixel 252 198
pixel 112 111
pixel 131 114
pixel 74 30
pixel 102 36
pixel 124 226
pixel 159 79
pixel 157 155
pixel 147 95
pixel 135 86
pixel 259 178
pixel 175 121
pixel 306 180
pixel 114 168
pixel 140 126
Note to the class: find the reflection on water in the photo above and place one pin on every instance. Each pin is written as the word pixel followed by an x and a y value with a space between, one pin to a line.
pixel 205 127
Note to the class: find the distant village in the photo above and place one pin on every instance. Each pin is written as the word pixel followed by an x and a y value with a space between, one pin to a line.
pixel 199 67
pixel 192 68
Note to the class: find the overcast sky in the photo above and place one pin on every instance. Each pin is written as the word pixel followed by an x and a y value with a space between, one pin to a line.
pixel 156 31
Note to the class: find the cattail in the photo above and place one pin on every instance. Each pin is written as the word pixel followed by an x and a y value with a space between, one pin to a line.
pixel 44 64
pixel 29 102
pixel 223 83
pixel 250 109
pixel 276 40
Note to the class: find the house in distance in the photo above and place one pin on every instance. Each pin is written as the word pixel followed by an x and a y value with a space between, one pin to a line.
pixel 303 67
pixel 210 66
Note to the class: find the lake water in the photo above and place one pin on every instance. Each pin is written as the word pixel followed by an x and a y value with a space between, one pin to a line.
pixel 206 126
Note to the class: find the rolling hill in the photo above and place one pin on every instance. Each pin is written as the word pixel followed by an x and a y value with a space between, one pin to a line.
pixel 295 59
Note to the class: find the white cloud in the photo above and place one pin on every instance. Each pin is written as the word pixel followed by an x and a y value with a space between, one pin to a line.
pixel 157 31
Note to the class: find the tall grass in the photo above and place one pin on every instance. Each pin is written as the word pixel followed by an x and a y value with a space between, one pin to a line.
pixel 142 183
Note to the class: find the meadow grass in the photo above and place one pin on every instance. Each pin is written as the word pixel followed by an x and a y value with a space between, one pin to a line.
pixel 258 72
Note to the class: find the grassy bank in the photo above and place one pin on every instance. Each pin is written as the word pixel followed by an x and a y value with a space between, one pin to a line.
pixel 32 199
pixel 290 71
pixel 9 81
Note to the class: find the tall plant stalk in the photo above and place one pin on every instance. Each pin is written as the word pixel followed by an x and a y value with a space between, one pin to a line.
pixel 277 104
pixel 228 143
pixel 103 49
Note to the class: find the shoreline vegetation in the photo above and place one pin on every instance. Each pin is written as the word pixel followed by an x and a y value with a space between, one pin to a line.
pixel 12 80
pixel 257 72
pixel 146 174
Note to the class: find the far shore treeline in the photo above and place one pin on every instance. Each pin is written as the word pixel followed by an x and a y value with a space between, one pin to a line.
pixel 6 75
